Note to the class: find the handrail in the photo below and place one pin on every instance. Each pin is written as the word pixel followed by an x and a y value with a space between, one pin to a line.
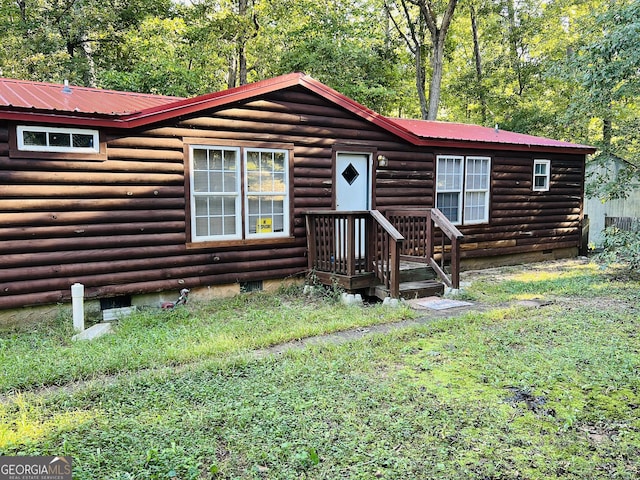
pixel 448 228
pixel 418 225
pixel 435 218
pixel 352 243
pixel 386 253
pixel 384 223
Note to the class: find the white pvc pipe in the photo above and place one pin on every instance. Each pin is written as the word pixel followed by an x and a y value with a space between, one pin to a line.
pixel 77 301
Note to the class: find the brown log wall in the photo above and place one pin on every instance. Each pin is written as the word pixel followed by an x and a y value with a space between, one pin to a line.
pixel 119 226
pixel 522 220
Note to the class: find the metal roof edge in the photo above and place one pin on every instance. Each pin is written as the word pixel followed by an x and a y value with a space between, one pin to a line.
pixel 354 107
pixel 503 146
pixel 65 118
pixel 209 100
pixel 182 106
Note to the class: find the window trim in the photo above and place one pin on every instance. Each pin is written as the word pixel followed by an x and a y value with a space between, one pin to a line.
pixel 460 192
pixel 286 215
pixel 461 220
pixel 21 129
pixel 487 191
pixel 546 176
pixel 193 195
pixel 285 237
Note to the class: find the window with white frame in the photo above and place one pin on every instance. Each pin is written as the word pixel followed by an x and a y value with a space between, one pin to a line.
pixel 54 139
pixel 267 192
pixel 462 188
pixel 215 193
pixel 239 193
pixel 476 190
pixel 541 175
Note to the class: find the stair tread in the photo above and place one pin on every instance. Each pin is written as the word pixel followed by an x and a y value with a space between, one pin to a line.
pixel 419 284
pixel 415 289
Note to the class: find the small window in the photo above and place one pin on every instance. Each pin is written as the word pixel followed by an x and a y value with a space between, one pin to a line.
pixel 51 139
pixel 541 175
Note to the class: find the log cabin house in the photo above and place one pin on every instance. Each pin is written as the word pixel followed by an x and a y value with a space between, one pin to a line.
pixel 131 194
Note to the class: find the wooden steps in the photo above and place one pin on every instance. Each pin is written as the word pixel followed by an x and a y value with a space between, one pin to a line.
pixel 417 280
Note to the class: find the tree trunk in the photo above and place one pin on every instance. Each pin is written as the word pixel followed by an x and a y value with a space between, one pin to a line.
pixel 242 65
pixel 242 58
pixel 231 78
pixel 438 36
pixel 91 78
pixel 416 44
pixel 478 62
pixel 607 134
pixel 22 5
pixel 436 78
pixel 420 81
pixel 513 44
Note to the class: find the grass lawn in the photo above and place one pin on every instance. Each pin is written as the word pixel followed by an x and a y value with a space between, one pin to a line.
pixel 513 392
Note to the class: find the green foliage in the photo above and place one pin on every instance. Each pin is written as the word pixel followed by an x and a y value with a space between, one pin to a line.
pixel 44 355
pixel 621 247
pixel 603 70
pixel 165 56
pixel 547 393
pixel 340 43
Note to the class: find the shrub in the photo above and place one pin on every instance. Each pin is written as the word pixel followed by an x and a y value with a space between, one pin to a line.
pixel 621 246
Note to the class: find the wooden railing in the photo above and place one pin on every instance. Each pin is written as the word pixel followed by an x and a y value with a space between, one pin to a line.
pixel 422 228
pixel 387 244
pixel 351 245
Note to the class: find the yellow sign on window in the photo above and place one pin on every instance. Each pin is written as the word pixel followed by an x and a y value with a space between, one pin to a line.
pixel 264 225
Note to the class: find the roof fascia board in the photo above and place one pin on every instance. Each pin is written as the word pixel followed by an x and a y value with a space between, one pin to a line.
pixel 479 145
pixel 188 106
pixel 64 119
pixel 421 142
pixel 358 109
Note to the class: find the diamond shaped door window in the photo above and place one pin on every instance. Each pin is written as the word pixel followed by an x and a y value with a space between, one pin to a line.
pixel 350 174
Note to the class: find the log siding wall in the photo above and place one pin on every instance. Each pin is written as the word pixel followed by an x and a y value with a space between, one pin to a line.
pixel 119 226
pixel 522 220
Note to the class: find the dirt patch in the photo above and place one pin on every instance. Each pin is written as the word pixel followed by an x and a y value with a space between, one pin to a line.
pixel 534 403
pixel 499 274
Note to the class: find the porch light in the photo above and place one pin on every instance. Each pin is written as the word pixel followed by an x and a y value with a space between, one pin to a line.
pixel 382 161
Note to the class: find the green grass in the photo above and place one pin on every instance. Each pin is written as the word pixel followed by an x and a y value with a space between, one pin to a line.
pixel 511 393
pixel 44 355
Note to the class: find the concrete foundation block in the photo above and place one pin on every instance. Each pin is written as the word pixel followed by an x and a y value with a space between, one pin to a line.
pixel 96 331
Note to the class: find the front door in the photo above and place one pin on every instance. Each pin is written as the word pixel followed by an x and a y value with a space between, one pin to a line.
pixel 353 193
pixel 353 183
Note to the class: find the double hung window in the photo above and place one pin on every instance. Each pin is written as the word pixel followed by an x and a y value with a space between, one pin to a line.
pixel 239 193
pixel 541 175
pixel 462 188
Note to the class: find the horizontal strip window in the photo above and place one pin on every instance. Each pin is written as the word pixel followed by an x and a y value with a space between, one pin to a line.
pixel 54 139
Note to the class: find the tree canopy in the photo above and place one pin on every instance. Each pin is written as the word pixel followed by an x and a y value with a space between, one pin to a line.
pixel 569 69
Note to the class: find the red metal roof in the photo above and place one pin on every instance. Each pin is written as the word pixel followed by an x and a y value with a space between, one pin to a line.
pixel 40 96
pixel 22 100
pixel 427 129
